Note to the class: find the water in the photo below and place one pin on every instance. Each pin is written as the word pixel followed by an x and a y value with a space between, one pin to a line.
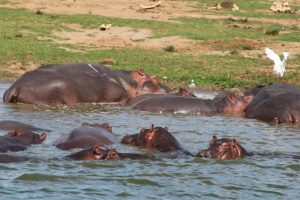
pixel 50 176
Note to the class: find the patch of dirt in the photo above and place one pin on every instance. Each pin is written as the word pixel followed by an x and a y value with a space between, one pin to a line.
pixel 126 37
pixel 15 69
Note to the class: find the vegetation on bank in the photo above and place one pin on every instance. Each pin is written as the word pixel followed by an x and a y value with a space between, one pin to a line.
pixel 21 31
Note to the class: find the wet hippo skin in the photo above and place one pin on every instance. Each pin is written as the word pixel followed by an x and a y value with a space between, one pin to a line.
pixel 88 135
pixel 69 84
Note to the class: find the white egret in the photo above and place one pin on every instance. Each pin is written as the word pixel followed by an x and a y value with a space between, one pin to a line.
pixel 279 65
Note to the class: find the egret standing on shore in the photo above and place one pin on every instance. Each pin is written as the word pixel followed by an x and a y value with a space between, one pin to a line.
pixel 279 66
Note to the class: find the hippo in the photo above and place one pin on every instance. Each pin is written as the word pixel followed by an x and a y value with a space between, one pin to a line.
pixel 19 140
pixel 228 102
pixel 69 84
pixel 98 153
pixel 154 138
pixel 223 149
pixel 4 158
pixel 277 103
pixel 228 149
pixel 9 125
pixel 88 135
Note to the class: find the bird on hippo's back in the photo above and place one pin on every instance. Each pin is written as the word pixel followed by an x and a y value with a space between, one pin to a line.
pixel 279 65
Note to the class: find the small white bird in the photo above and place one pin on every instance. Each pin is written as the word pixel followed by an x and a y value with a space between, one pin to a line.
pixel 192 84
pixel 279 66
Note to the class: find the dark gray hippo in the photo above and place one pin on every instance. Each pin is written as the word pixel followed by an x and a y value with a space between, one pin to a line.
pixel 98 153
pixel 224 102
pixel 9 125
pixel 70 84
pixel 154 138
pixel 278 103
pixel 88 135
pixel 19 140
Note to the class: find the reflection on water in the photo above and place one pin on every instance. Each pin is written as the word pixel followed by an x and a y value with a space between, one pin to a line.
pixel 49 175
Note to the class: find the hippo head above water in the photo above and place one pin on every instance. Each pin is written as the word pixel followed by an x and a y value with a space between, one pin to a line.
pixel 98 153
pixel 154 138
pixel 26 137
pixel 223 149
pixel 147 84
pixel 232 102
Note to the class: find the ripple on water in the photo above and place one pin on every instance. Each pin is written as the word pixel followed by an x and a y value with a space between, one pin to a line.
pixel 46 177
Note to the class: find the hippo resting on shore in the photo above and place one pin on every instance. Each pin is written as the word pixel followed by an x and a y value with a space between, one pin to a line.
pixel 98 153
pixel 69 84
pixel 88 135
pixel 154 138
pixel 10 125
pixel 228 149
pixel 224 102
pixel 19 140
pixel 278 103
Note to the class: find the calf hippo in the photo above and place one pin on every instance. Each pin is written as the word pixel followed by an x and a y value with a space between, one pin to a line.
pixel 224 102
pixel 19 140
pixel 69 84
pixel 9 125
pixel 223 149
pixel 88 135
pixel 98 153
pixel 277 103
pixel 154 138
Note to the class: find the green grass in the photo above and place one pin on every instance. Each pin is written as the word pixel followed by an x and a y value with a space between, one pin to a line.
pixel 20 32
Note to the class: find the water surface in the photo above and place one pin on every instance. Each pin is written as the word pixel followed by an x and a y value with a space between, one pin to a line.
pixel 50 176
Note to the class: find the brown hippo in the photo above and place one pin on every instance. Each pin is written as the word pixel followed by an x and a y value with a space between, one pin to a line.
pixel 69 84
pixel 19 140
pixel 223 149
pixel 277 103
pixel 154 138
pixel 224 102
pixel 226 149
pixel 9 125
pixel 88 135
pixel 98 153
pixel 4 158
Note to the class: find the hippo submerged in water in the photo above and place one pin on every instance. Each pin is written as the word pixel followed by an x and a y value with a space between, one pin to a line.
pixel 9 125
pixel 69 84
pixel 98 153
pixel 154 138
pixel 228 149
pixel 19 140
pixel 278 103
pixel 223 149
pixel 88 135
pixel 224 102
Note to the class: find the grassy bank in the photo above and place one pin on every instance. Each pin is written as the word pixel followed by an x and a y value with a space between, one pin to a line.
pixel 21 32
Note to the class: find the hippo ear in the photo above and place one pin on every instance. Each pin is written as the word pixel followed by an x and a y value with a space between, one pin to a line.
pixel 96 150
pixel 141 71
pixel 214 138
pixel 151 128
pixel 113 154
pixel 154 80
pixel 166 129
pixel 234 142
pixel 43 136
pixel 231 98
